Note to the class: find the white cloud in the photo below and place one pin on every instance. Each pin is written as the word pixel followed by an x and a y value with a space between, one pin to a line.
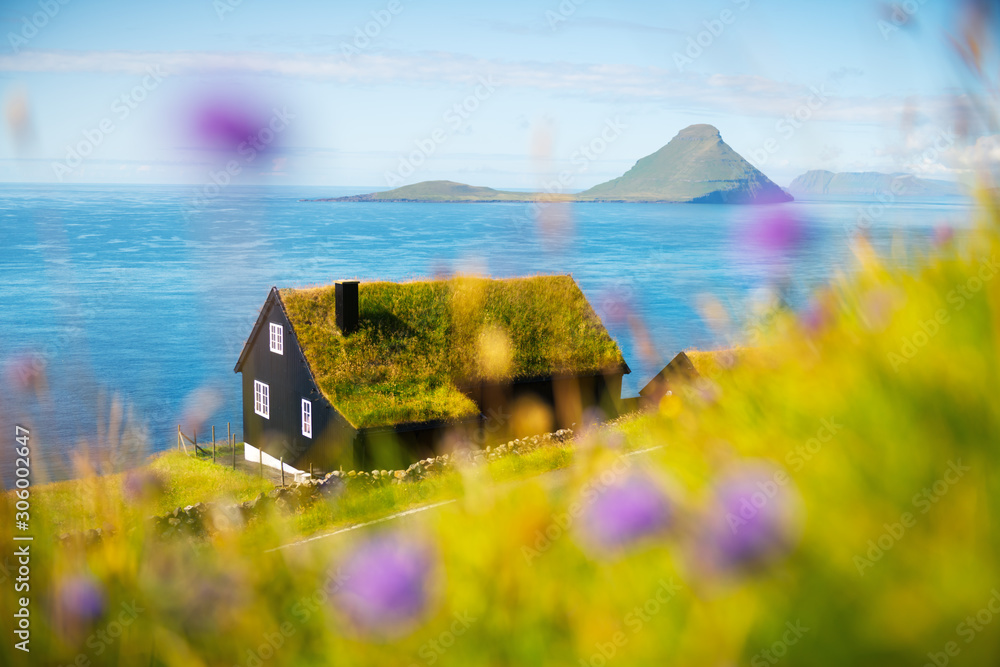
pixel 752 95
pixel 984 154
pixel 929 148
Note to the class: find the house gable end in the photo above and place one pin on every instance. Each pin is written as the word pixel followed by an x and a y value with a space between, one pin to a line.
pixel 291 343
pixel 258 325
pixel 679 367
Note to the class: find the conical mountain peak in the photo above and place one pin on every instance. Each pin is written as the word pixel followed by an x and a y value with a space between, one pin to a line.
pixel 700 131
pixel 695 166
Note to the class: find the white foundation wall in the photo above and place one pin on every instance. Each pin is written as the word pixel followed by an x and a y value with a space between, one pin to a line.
pixel 251 453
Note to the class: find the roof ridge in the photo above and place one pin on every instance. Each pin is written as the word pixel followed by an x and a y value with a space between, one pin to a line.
pixel 427 279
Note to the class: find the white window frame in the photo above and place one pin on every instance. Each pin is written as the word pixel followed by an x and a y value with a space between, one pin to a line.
pixel 277 338
pixel 307 418
pixel 261 399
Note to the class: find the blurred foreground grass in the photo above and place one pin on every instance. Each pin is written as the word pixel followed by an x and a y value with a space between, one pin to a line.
pixel 829 497
pixel 174 480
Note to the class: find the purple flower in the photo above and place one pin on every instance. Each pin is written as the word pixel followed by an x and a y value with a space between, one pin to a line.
pixel 815 318
pixel 81 597
pixel 707 391
pixel 230 119
pixel 591 421
pixel 199 406
pixel 877 307
pixel 943 235
pixel 225 124
pixel 753 517
pixel 79 602
pixel 26 372
pixel 142 485
pixel 778 231
pixel 625 512
pixel 384 584
pixel 617 304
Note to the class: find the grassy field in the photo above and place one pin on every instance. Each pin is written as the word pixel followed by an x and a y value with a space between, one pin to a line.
pixel 362 504
pixel 830 499
pixel 170 480
pixel 176 479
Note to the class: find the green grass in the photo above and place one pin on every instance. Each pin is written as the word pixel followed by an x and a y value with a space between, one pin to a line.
pixel 91 502
pixel 839 426
pixel 359 504
pixel 191 480
pixel 362 504
pixel 418 341
pixel 541 460
pixel 96 501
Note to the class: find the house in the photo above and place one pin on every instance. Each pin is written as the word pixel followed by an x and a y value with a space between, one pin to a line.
pixel 376 374
pixel 687 367
pixel 679 371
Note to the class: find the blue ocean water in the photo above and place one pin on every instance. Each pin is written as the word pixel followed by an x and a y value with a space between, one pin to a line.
pixel 145 294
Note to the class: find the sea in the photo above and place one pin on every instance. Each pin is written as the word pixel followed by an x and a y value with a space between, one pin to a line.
pixel 124 307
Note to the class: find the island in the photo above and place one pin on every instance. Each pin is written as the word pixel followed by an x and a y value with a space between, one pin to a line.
pixel 695 167
pixel 871 184
pixel 442 192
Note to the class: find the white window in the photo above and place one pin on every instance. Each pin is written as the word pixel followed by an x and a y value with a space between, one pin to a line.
pixel 262 399
pixel 277 338
pixel 307 418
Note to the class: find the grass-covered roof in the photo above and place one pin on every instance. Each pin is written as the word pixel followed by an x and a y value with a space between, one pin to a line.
pixel 418 342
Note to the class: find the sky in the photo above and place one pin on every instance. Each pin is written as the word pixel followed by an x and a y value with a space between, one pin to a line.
pixel 382 93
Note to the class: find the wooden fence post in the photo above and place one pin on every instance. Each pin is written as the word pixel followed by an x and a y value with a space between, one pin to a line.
pixel 178 437
pixel 234 451
pixel 310 471
pixel 195 442
pixel 213 443
pixel 281 464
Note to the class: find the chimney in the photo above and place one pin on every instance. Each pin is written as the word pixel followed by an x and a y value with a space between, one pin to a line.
pixel 347 306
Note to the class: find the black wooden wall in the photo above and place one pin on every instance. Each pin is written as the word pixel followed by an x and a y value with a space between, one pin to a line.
pixel 289 381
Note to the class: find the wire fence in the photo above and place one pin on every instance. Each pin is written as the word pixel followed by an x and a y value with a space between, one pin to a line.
pixel 228 452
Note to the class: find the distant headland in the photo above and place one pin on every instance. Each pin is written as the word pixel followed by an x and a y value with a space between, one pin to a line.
pixel 695 167
pixel 870 184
